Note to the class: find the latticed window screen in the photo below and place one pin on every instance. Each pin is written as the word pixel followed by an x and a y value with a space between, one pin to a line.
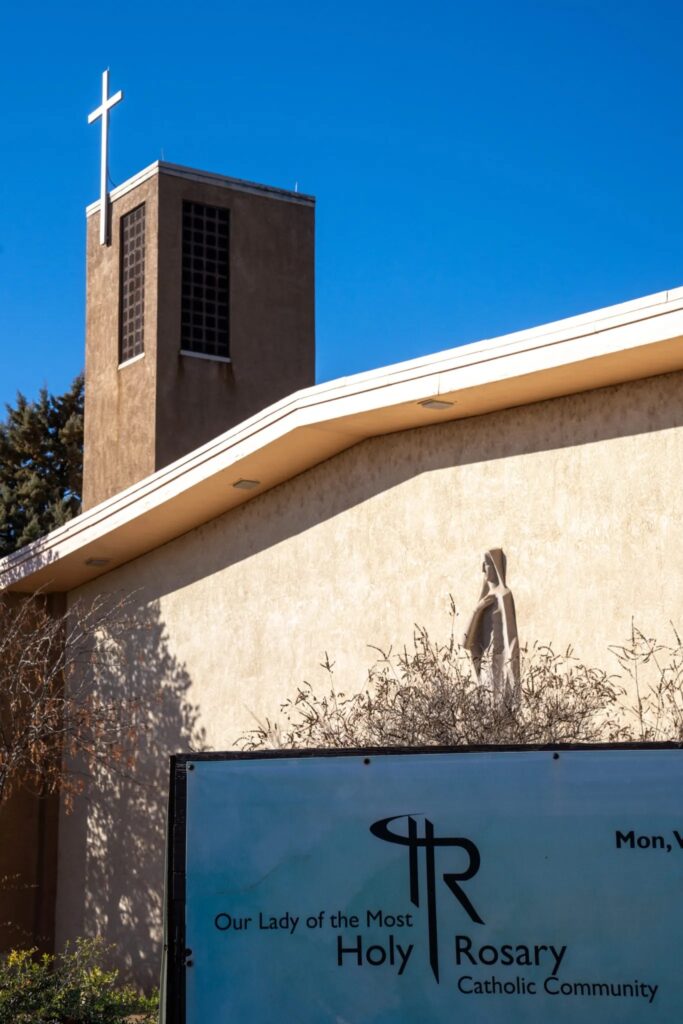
pixel 132 335
pixel 204 317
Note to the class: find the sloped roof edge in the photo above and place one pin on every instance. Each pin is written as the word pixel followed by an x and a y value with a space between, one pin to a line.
pixel 619 343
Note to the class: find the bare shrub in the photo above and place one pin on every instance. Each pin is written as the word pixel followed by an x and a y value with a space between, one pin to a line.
pixel 655 675
pixel 55 725
pixel 428 694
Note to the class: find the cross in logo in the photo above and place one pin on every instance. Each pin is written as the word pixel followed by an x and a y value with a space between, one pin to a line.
pixel 429 842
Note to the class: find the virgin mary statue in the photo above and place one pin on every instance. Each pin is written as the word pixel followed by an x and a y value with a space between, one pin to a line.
pixel 491 637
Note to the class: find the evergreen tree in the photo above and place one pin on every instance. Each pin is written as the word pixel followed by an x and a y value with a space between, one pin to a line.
pixel 41 465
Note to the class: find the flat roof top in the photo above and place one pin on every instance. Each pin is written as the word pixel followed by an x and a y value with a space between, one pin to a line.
pixel 630 341
pixel 205 178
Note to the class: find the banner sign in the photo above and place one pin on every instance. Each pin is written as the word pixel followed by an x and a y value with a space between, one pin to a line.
pixel 387 888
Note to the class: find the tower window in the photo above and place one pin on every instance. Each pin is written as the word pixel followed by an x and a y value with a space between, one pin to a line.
pixel 204 311
pixel 132 330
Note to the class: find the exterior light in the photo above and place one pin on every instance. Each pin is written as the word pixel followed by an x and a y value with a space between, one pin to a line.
pixel 246 485
pixel 435 403
pixel 97 562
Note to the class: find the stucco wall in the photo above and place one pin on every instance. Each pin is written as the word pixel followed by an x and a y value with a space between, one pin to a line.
pixel 144 414
pixel 271 317
pixel 119 402
pixel 583 494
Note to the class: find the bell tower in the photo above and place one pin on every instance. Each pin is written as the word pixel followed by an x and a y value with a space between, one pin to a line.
pixel 199 313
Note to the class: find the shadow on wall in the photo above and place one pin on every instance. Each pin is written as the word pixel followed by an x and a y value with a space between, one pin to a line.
pixel 112 845
pixel 381 463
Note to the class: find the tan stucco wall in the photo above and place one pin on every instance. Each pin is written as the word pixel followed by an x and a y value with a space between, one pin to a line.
pixel 146 413
pixel 120 402
pixel 583 494
pixel 271 316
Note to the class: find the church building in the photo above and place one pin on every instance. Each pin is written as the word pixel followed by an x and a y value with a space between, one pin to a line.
pixel 260 521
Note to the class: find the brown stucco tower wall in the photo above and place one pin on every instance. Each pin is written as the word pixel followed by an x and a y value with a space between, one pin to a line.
pixel 147 411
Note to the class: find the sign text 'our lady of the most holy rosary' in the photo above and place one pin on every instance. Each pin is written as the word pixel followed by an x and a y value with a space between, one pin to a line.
pixel 496 886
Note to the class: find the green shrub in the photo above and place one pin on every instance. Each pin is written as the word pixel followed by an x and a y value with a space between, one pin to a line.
pixel 72 988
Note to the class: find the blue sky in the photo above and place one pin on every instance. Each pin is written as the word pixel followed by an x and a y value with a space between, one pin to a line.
pixel 479 167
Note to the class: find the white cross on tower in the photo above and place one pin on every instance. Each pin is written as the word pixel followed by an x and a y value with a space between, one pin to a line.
pixel 103 111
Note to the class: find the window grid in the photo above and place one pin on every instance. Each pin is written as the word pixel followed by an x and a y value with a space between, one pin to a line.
pixel 204 312
pixel 132 333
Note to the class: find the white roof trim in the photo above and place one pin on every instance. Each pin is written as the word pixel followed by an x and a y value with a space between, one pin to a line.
pixel 205 178
pixel 337 407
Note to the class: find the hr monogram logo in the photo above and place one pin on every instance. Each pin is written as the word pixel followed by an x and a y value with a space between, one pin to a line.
pixel 430 842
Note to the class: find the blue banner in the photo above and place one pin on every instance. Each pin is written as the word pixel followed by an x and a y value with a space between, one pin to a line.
pixel 436 887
